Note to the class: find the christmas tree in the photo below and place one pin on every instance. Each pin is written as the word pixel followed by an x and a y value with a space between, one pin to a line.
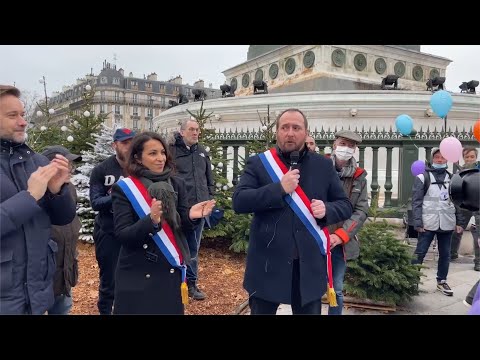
pixel 383 271
pixel 266 139
pixel 77 135
pixel 83 124
pixel 102 149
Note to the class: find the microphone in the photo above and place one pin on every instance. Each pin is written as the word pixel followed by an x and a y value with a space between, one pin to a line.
pixel 294 157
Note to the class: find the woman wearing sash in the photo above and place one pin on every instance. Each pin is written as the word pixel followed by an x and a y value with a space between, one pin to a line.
pixel 150 217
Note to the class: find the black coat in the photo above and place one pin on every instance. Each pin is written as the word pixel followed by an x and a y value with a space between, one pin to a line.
pixel 193 165
pixel 275 230
pixel 145 282
pixel 66 237
pixel 27 252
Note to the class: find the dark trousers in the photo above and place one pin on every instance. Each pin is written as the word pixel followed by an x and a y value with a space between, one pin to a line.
pixel 107 249
pixel 263 307
pixel 194 238
pixel 443 243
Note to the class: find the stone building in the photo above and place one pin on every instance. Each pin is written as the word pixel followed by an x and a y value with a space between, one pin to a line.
pixel 129 101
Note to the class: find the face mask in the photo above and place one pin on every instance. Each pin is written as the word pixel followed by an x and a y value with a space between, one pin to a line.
pixel 439 166
pixel 344 153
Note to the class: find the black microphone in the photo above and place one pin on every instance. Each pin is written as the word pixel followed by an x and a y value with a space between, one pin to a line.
pixel 294 157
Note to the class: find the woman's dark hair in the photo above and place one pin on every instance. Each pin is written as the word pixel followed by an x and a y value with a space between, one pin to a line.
pixel 133 167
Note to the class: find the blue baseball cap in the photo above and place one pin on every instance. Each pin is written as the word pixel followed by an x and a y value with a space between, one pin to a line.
pixel 123 134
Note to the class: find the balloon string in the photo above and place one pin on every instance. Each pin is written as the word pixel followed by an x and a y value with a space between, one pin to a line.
pixel 412 141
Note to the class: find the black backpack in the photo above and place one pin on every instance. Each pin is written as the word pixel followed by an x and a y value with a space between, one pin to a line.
pixel 427 181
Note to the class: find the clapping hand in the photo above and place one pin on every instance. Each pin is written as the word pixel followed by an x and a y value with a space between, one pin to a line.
pixel 62 176
pixel 39 180
pixel 202 209
pixel 156 211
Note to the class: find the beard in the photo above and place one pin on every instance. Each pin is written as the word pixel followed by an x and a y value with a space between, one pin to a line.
pixel 121 156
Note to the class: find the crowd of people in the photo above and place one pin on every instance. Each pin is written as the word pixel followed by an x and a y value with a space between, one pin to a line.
pixel 152 198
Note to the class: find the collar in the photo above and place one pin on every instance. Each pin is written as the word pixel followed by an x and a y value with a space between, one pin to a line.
pixel 285 156
pixel 11 146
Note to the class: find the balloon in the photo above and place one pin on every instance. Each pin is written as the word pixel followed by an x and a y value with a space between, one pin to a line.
pixel 418 167
pixel 476 130
pixel 451 149
pixel 404 124
pixel 441 103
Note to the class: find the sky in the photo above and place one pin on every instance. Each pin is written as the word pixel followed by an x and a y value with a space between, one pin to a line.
pixel 24 65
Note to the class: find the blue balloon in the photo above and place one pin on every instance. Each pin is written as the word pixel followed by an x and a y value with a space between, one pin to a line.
pixel 441 103
pixel 404 124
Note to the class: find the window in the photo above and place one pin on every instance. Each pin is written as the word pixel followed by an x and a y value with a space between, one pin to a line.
pixel 117 109
pixel 116 81
pixel 135 123
pixel 102 95
pixel 102 108
pixel 150 112
pixel 103 80
pixel 150 127
pixel 135 98
pixel 163 101
pixel 135 110
pixel 117 95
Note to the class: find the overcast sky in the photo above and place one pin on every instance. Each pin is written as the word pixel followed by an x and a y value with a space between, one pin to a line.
pixel 61 65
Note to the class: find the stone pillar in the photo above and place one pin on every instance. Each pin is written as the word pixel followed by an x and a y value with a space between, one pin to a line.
pixel 408 154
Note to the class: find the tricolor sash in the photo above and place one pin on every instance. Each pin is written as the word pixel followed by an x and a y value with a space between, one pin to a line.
pixel 141 201
pixel 300 204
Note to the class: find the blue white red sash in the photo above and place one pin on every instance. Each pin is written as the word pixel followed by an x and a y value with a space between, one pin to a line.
pixel 300 204
pixel 298 200
pixel 141 201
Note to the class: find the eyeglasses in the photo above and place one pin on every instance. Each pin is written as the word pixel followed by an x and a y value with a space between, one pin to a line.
pixel 194 130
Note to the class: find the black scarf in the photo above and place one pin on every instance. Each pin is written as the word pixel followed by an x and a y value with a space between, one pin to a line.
pixel 160 187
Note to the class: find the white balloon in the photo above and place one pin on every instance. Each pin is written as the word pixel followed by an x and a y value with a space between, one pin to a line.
pixel 43 128
pixel 63 128
pixel 88 88
pixel 207 149
pixel 225 187
pixel 219 185
pixel 220 165
pixel 70 138
pixel 213 167
pixel 51 111
pixel 86 113
pixel 39 113
pixel 264 128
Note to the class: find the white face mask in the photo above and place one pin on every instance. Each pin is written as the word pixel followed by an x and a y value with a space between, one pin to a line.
pixel 344 153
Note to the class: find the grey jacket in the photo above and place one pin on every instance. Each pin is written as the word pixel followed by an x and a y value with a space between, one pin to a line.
pixel 355 186
pixel 66 237
pixel 27 252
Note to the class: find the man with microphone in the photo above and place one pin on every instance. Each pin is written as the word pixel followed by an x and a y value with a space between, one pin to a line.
pixel 294 194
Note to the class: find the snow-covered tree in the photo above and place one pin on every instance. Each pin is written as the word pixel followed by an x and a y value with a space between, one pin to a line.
pixel 102 149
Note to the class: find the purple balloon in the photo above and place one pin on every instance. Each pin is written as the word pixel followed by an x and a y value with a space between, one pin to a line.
pixel 418 167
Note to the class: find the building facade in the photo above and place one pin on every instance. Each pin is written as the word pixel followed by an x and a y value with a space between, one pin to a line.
pixel 296 68
pixel 127 101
